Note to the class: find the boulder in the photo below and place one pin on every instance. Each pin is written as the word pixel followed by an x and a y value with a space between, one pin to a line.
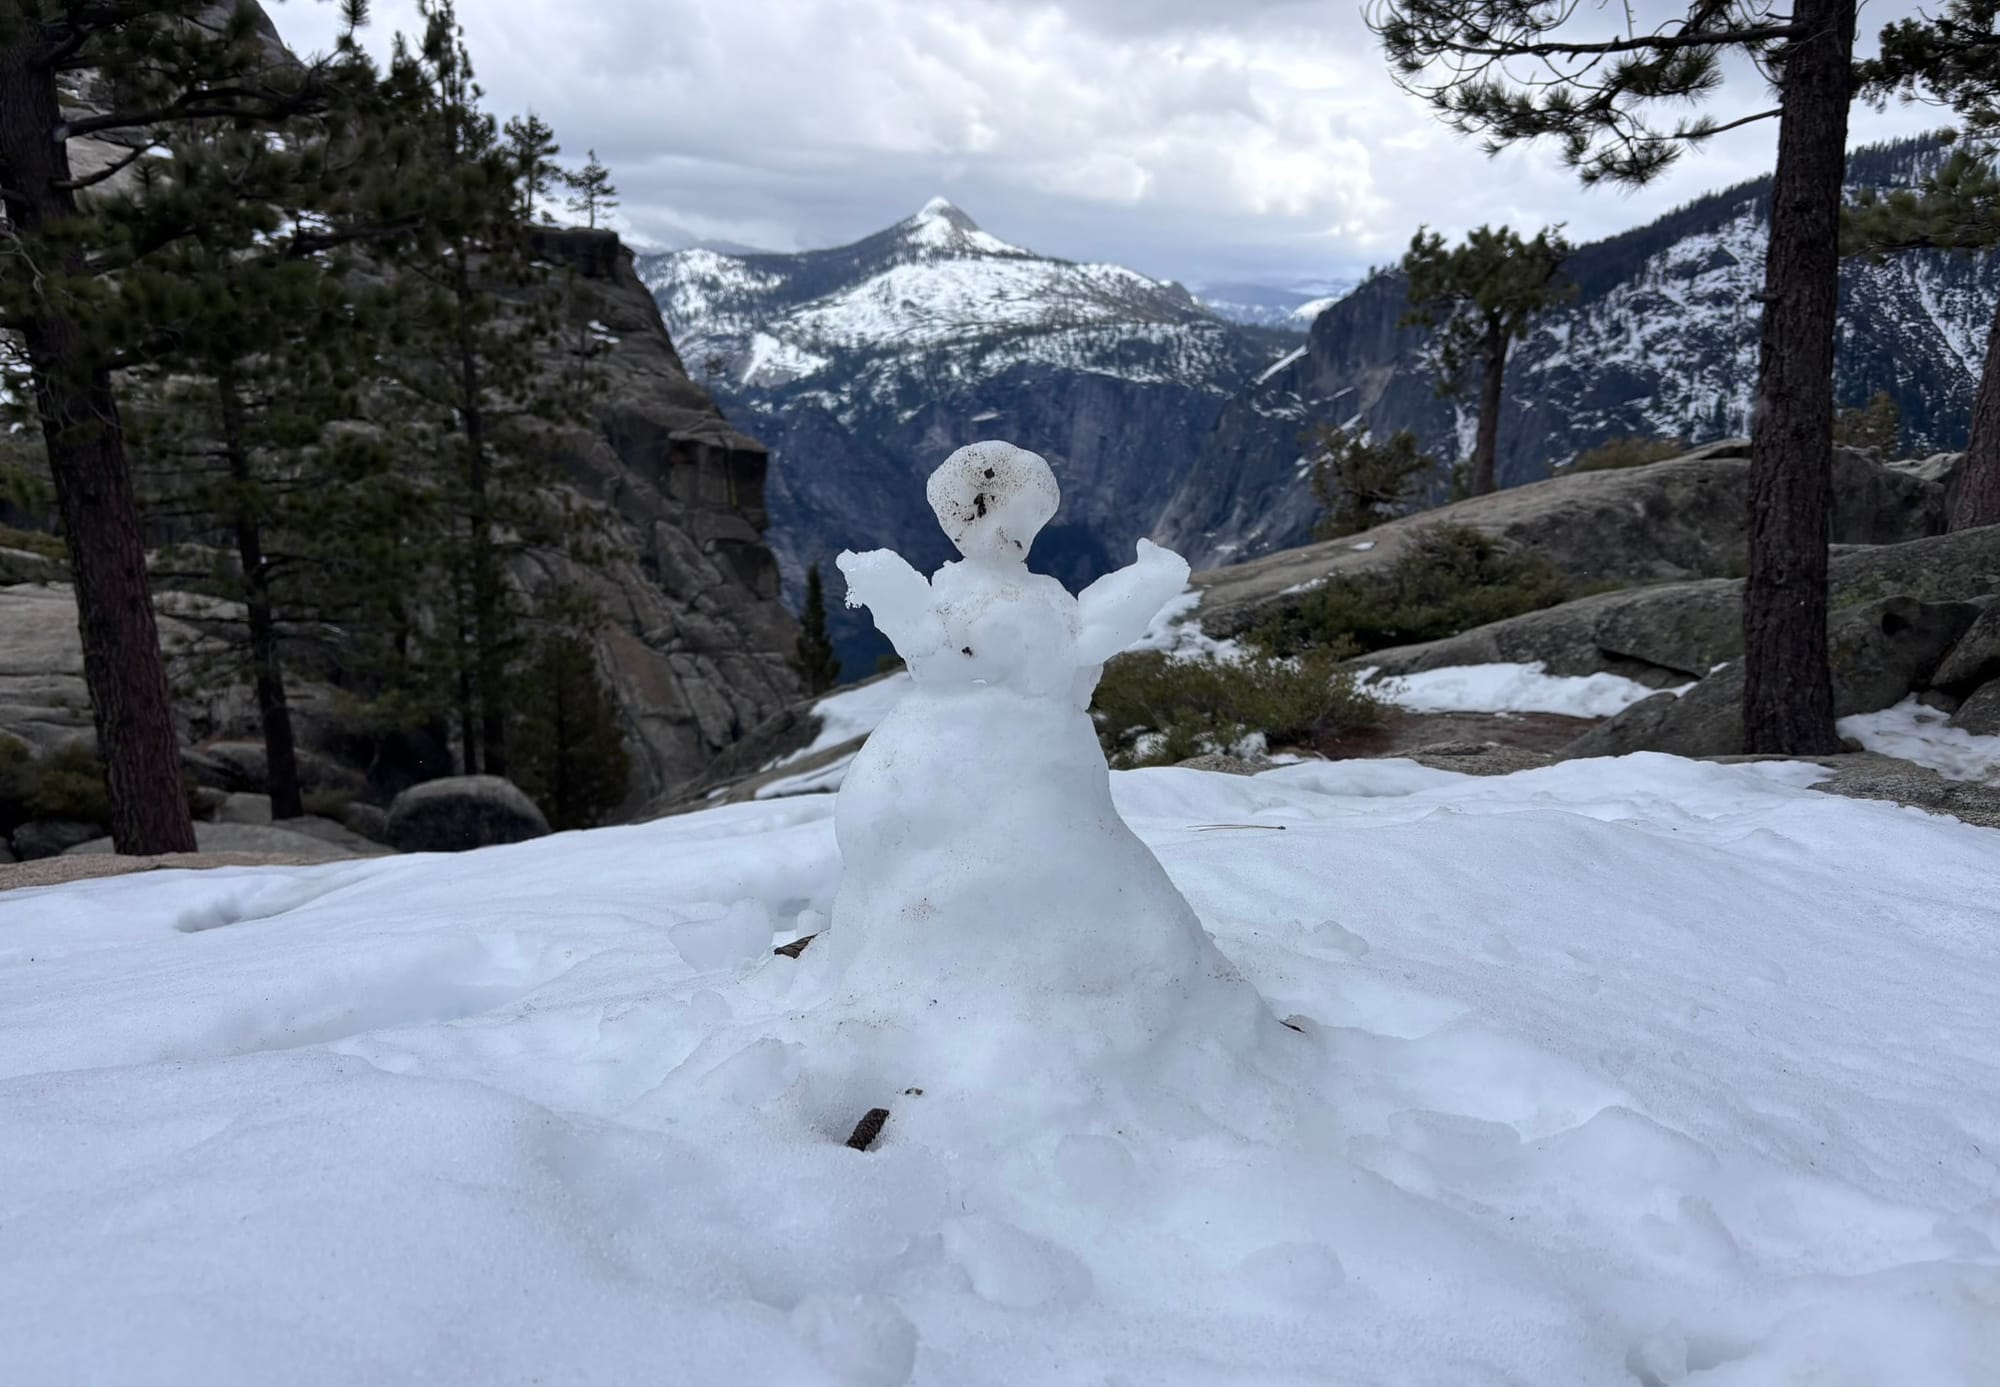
pixel 245 768
pixel 1679 519
pixel 370 821
pixel 462 812
pixel 51 837
pixel 1976 658
pixel 337 834
pixel 26 566
pixel 1943 470
pixel 1669 633
pixel 1879 652
pixel 1707 720
pixel 1980 713
pixel 242 808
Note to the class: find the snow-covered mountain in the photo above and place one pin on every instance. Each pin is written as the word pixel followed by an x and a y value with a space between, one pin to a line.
pixel 1661 341
pixel 1270 305
pixel 863 365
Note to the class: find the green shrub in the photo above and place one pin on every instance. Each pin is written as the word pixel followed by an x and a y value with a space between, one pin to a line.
pixel 1877 425
pixel 1152 710
pixel 35 542
pixel 1451 579
pixel 1615 453
pixel 69 784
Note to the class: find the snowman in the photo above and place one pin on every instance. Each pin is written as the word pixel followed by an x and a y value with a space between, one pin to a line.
pixel 992 903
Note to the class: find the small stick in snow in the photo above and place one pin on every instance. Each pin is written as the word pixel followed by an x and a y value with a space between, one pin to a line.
pixel 868 1128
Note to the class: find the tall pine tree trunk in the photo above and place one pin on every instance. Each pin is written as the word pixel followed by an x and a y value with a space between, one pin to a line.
pixel 122 665
pixel 1788 690
pixel 1486 444
pixel 281 757
pixel 1978 500
pixel 488 634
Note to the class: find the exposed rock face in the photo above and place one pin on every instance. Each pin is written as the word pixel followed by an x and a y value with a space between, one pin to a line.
pixel 43 699
pixel 1980 713
pixel 1879 652
pixel 1866 775
pixel 697 641
pixel 1682 518
pixel 1673 632
pixel 1976 657
pixel 462 812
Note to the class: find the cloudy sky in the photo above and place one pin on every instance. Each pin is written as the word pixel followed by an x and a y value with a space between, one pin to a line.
pixel 1201 140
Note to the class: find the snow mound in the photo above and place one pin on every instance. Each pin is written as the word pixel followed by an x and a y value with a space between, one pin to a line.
pixel 1637 1070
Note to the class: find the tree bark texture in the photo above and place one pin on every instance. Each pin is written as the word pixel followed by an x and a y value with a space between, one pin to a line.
pixel 1486 444
pixel 281 758
pixel 1978 500
pixel 1788 689
pixel 122 664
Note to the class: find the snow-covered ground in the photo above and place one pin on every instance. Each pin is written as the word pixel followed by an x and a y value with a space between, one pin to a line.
pixel 1637 1071
pixel 1920 734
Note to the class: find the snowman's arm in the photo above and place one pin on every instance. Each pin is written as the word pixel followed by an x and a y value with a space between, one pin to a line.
pixel 1117 608
pixel 897 597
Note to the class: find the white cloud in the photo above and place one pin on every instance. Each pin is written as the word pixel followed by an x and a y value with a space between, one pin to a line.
pixel 1185 137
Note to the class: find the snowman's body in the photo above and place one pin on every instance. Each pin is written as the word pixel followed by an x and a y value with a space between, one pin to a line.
pixel 984 866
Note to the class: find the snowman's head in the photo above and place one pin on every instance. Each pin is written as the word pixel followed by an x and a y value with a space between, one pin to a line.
pixel 993 499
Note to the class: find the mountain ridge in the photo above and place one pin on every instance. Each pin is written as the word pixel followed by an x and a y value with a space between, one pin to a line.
pixel 863 365
pixel 1660 341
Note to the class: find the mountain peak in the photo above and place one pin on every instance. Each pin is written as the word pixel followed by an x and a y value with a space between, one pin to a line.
pixel 941 226
pixel 943 209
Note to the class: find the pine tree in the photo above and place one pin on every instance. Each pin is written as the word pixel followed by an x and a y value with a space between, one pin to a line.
pixel 1877 425
pixel 1360 483
pixel 473 401
pixel 1595 95
pixel 532 146
pixel 163 67
pixel 568 748
pixel 1951 59
pixel 235 434
pixel 813 656
pixel 1479 298
pixel 593 190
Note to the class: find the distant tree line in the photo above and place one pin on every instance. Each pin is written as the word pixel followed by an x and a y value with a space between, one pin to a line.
pixel 291 314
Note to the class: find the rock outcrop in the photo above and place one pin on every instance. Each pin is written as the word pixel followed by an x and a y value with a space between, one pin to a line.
pixel 1879 651
pixel 1682 518
pixel 462 812
pixel 1669 633
pixel 696 639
